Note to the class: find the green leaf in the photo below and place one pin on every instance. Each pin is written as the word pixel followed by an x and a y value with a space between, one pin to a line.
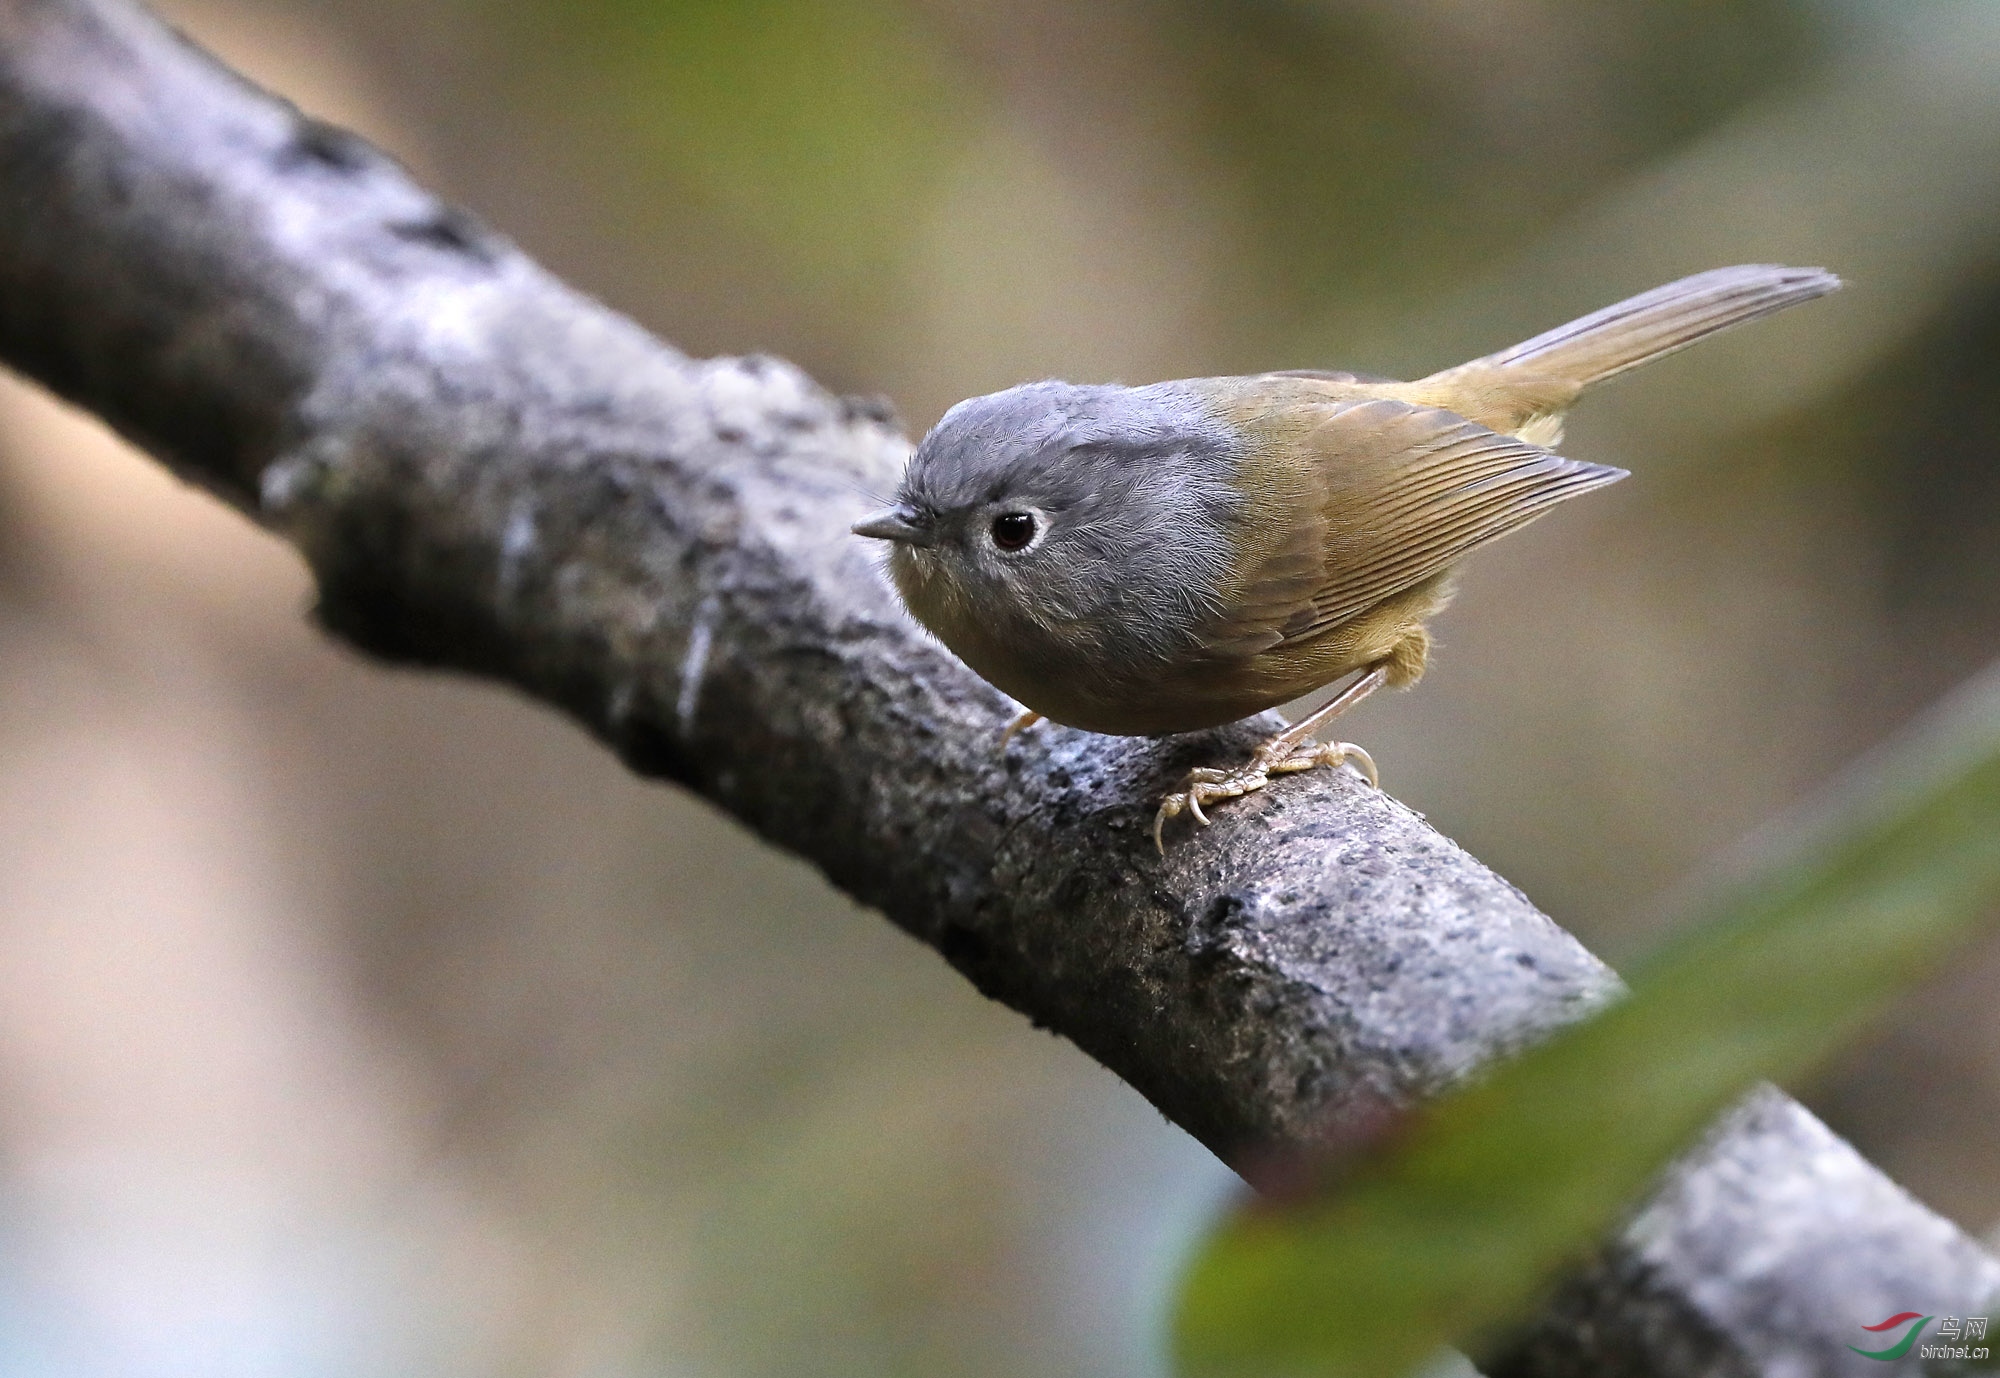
pixel 1461 1224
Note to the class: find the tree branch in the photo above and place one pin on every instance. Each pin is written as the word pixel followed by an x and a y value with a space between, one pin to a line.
pixel 491 473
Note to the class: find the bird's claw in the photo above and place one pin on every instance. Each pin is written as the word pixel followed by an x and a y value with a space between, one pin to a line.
pixel 1207 785
pixel 1330 754
pixel 1204 784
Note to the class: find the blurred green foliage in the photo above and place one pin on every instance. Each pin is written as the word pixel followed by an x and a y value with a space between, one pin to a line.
pixel 1376 150
pixel 1356 154
pixel 1459 1224
pixel 812 129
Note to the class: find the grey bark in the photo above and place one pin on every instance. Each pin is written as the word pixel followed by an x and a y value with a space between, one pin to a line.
pixel 491 473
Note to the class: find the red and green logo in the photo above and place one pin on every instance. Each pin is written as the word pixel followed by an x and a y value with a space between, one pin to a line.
pixel 1897 1350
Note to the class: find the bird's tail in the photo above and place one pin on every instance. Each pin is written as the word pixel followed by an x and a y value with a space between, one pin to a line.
pixel 1524 391
pixel 1654 324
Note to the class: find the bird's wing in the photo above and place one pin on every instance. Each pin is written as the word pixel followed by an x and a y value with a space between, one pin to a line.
pixel 1372 497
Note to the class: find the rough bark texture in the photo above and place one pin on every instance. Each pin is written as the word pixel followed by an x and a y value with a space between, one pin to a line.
pixel 1764 1252
pixel 491 473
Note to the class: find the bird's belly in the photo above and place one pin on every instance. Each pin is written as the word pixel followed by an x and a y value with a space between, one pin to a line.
pixel 1176 696
pixel 1099 694
pixel 1202 690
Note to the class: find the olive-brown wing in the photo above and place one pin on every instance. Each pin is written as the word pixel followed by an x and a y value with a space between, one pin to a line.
pixel 1372 497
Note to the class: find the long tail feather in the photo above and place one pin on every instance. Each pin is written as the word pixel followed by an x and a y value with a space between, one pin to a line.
pixel 1662 321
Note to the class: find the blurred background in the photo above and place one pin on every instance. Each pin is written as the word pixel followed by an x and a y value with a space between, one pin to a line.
pixel 354 1022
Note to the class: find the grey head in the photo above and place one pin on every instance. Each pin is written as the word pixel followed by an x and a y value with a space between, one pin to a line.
pixel 1056 532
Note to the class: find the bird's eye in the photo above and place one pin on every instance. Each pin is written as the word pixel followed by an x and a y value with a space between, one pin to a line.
pixel 1013 530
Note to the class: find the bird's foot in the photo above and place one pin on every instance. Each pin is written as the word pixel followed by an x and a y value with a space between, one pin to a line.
pixel 1330 754
pixel 1207 785
pixel 1023 720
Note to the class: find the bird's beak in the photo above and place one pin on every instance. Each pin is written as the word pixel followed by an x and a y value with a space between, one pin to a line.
pixel 899 523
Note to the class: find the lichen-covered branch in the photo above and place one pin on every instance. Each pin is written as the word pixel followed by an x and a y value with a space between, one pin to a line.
pixel 489 472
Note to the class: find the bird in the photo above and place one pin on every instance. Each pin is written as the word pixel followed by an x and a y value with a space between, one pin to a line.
pixel 1159 559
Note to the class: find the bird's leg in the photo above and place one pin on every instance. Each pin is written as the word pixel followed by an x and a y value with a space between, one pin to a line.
pixel 1291 750
pixel 1023 720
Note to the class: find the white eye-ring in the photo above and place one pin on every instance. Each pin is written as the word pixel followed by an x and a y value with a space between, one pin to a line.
pixel 1014 531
